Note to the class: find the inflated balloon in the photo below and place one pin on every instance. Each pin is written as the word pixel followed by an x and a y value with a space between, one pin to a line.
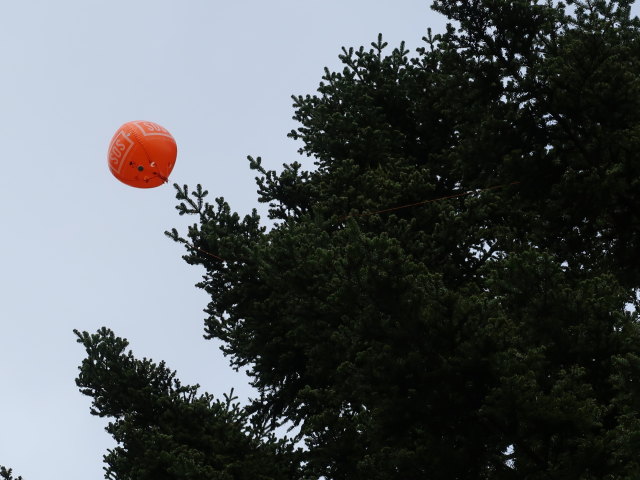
pixel 142 154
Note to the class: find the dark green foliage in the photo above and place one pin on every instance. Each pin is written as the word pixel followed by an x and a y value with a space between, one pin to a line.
pixel 166 430
pixel 488 334
pixel 6 474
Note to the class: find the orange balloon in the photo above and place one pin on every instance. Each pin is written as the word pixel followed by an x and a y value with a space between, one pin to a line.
pixel 142 154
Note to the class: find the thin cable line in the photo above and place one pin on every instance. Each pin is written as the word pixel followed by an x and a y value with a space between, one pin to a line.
pixel 204 251
pixel 446 197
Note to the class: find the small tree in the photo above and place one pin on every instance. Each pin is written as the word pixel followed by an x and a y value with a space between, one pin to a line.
pixel 7 474
pixel 166 430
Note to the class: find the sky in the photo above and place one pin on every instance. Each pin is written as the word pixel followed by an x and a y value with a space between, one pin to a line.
pixel 80 250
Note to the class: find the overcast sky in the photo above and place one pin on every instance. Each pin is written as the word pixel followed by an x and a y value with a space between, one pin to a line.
pixel 81 250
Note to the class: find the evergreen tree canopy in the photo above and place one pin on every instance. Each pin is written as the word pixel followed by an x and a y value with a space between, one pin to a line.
pixel 486 333
pixel 446 289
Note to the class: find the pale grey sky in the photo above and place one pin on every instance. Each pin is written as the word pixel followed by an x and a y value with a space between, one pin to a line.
pixel 79 249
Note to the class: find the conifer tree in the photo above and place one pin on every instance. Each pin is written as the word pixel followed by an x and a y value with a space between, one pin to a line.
pixel 6 474
pixel 447 291
pixel 166 430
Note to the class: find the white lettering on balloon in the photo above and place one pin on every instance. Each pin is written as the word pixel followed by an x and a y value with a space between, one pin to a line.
pixel 120 147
